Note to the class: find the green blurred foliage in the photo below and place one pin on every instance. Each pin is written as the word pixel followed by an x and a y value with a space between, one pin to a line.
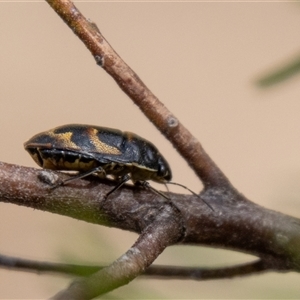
pixel 280 74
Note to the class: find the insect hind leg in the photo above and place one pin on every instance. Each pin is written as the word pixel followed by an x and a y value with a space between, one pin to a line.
pixel 79 176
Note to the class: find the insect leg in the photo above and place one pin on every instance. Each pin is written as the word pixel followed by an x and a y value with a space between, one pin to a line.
pixel 124 179
pixel 79 176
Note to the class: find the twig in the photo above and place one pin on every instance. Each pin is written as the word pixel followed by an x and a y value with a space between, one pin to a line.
pixel 152 241
pixel 167 272
pixel 15 263
pixel 154 271
pixel 185 143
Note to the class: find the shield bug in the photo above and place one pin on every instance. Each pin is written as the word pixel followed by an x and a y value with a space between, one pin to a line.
pixel 101 151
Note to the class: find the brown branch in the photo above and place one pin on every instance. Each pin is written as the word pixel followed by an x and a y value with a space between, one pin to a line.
pixel 81 199
pixel 154 271
pixel 159 222
pixel 185 143
pixel 236 223
pixel 153 240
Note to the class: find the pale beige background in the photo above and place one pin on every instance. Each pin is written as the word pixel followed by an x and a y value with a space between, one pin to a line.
pixel 201 60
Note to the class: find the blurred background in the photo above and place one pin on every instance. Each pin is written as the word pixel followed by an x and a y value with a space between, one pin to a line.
pixel 205 62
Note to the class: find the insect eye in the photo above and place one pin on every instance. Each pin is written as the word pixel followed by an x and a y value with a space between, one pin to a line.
pixel 163 172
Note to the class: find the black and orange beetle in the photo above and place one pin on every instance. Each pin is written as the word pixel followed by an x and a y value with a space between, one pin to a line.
pixel 101 151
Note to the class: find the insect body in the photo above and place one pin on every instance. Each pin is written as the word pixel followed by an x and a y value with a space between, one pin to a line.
pixel 99 150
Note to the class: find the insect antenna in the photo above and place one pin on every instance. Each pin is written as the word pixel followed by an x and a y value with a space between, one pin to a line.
pixel 147 185
pixel 185 187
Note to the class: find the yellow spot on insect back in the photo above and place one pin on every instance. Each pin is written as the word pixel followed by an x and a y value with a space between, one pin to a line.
pixel 100 146
pixel 64 139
